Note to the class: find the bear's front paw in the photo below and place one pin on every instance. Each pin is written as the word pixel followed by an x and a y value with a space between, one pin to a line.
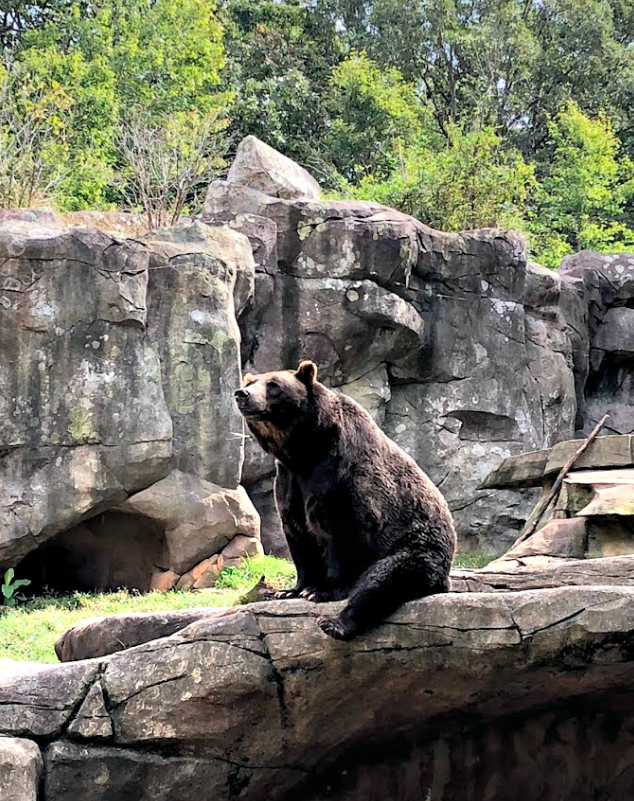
pixel 335 628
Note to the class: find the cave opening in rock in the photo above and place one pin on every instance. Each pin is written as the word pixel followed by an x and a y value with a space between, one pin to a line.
pixel 108 552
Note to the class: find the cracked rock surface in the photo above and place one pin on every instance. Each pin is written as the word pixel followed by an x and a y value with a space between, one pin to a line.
pixel 256 702
pixel 119 358
pixel 121 348
pixel 464 351
pixel 20 769
pixel 606 283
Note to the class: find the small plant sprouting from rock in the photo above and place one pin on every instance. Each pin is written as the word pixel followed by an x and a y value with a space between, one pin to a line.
pixel 10 586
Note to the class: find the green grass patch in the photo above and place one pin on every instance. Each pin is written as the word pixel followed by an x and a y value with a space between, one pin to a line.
pixel 29 632
pixel 472 561
pixel 276 571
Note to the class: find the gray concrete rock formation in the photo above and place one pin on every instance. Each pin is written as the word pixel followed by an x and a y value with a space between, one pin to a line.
pixel 459 348
pixel 257 703
pixel 261 167
pixel 83 419
pixel 119 359
pixel 20 769
pixel 464 351
pixel 196 518
pixel 606 283
pixel 123 354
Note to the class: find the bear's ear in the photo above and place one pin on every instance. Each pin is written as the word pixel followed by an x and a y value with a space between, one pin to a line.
pixel 246 378
pixel 307 372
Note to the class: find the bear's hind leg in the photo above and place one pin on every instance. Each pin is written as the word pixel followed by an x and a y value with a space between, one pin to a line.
pixel 383 587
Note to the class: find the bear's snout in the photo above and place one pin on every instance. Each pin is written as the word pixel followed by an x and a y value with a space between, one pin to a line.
pixel 245 401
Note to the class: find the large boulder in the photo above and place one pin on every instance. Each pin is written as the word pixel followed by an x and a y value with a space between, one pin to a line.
pixel 169 717
pixel 194 273
pixel 83 418
pixel 607 284
pixel 196 518
pixel 100 636
pixel 261 167
pixel 120 358
pixel 20 769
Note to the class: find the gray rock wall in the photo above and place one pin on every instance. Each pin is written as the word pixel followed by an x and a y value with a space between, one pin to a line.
pixel 118 361
pixel 120 355
pixel 463 351
pixel 606 283
pixel 481 696
pixel 549 755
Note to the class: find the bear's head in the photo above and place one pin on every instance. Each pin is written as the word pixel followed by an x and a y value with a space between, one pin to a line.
pixel 279 397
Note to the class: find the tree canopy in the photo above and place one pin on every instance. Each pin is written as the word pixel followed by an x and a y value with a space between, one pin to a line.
pixel 463 112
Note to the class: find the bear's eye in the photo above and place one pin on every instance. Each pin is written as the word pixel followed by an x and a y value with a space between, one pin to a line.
pixel 274 388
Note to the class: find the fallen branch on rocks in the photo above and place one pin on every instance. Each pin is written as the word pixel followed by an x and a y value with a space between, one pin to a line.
pixel 532 526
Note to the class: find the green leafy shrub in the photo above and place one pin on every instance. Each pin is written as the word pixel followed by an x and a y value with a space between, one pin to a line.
pixel 473 182
pixel 10 586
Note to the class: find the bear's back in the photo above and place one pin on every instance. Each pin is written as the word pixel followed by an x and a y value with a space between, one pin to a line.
pixel 370 453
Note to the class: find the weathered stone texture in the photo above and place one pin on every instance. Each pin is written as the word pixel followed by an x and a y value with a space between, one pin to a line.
pixel 191 318
pixel 83 420
pixel 259 166
pixel 20 769
pixel 465 352
pixel 123 354
pixel 257 702
pixel 607 284
pixel 38 700
pixel 119 361
pixel 92 721
pixel 455 345
pixel 196 518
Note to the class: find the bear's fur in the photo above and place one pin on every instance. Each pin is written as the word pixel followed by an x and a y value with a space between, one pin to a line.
pixel 362 520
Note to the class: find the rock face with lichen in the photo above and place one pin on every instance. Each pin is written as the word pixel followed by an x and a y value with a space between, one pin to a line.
pixel 462 350
pixel 83 418
pixel 606 283
pixel 119 357
pixel 121 453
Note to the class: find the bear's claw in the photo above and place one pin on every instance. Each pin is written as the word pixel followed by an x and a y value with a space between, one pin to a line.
pixel 333 627
pixel 284 594
pixel 295 592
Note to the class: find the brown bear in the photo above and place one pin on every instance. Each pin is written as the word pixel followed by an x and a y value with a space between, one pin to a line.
pixel 362 520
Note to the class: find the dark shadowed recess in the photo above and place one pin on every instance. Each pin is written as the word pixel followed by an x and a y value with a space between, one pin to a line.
pixel 107 552
pixel 581 751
